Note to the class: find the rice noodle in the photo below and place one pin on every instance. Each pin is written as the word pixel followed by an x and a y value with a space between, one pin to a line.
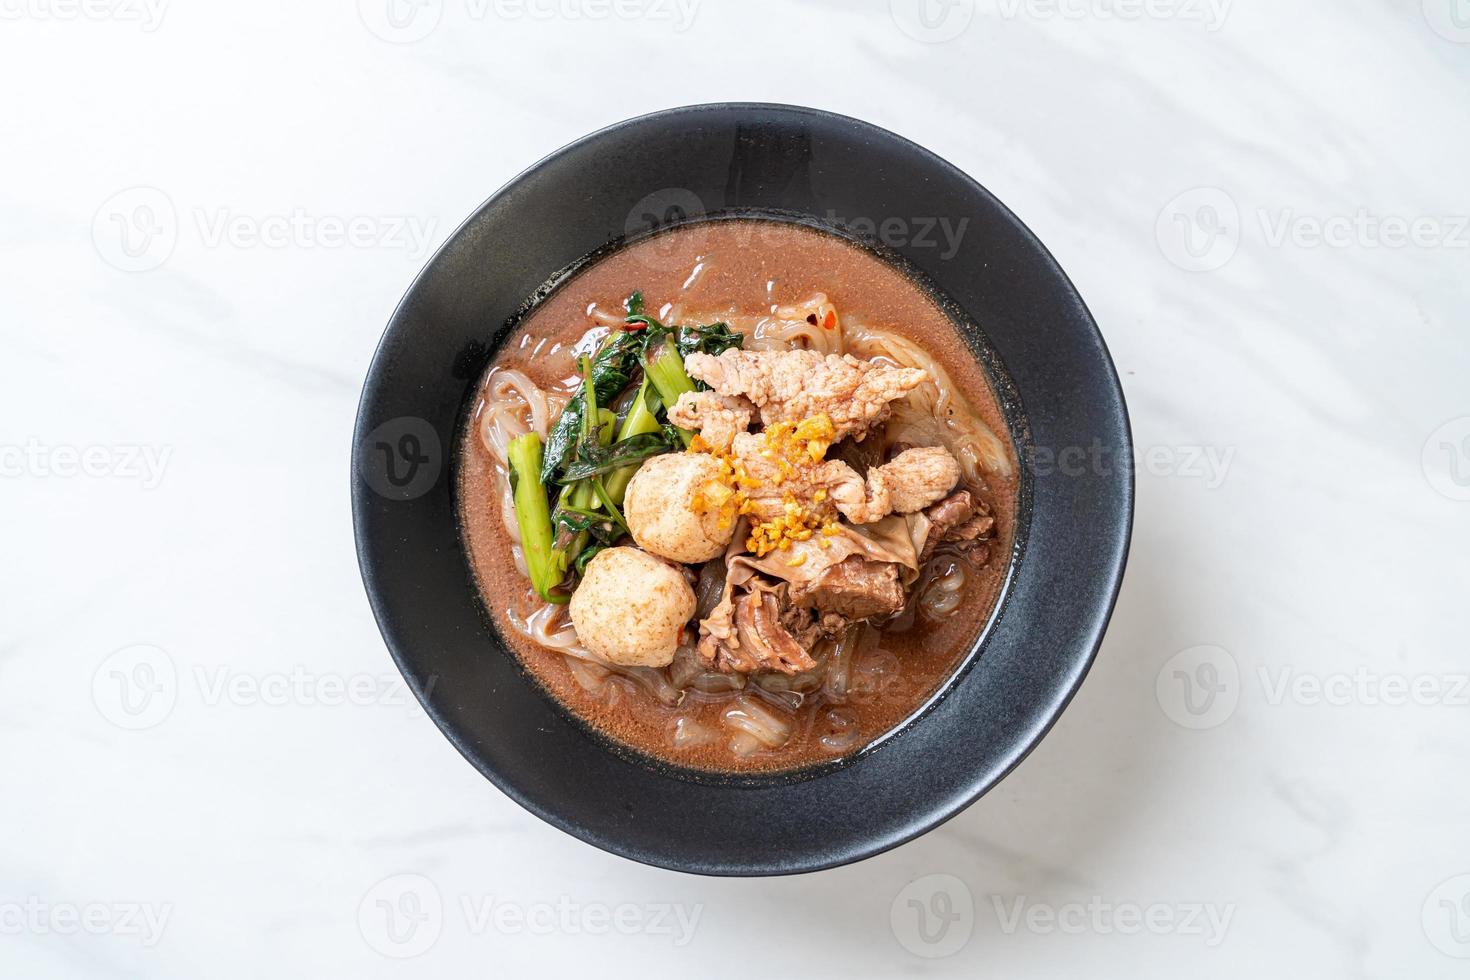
pixel 750 717
pixel 842 731
pixel 590 677
pixel 839 663
pixel 744 745
pixel 941 597
pixel 690 734
pixel 550 628
pixel 687 673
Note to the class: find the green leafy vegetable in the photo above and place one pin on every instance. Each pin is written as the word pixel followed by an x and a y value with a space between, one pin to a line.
pixel 587 555
pixel 642 420
pixel 596 460
pixel 714 338
pixel 612 369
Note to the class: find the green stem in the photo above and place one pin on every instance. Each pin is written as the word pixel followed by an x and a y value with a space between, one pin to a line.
pixel 665 368
pixel 608 504
pixel 640 421
pixel 533 516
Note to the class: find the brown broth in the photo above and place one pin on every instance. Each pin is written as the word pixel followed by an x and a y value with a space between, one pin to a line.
pixel 745 267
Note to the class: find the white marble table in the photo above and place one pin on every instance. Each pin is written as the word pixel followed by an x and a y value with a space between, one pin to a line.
pixel 209 210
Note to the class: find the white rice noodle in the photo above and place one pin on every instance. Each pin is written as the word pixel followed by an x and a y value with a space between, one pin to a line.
pixel 686 673
pixel 590 677
pixel 744 745
pixel 750 717
pixel 842 731
pixel 839 663
pixel 690 734
pixel 945 589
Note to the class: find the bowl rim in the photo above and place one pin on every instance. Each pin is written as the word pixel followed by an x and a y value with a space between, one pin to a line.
pixel 933 816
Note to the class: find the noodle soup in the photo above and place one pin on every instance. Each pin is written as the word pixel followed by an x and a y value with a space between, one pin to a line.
pixel 712 596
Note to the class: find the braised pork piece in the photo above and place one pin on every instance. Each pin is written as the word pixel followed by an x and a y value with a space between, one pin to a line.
pixel 739 496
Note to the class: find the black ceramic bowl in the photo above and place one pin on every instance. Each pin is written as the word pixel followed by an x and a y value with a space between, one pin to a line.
pixel 1067 418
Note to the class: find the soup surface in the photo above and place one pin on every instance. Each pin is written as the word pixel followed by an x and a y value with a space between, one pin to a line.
pixel 782 287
